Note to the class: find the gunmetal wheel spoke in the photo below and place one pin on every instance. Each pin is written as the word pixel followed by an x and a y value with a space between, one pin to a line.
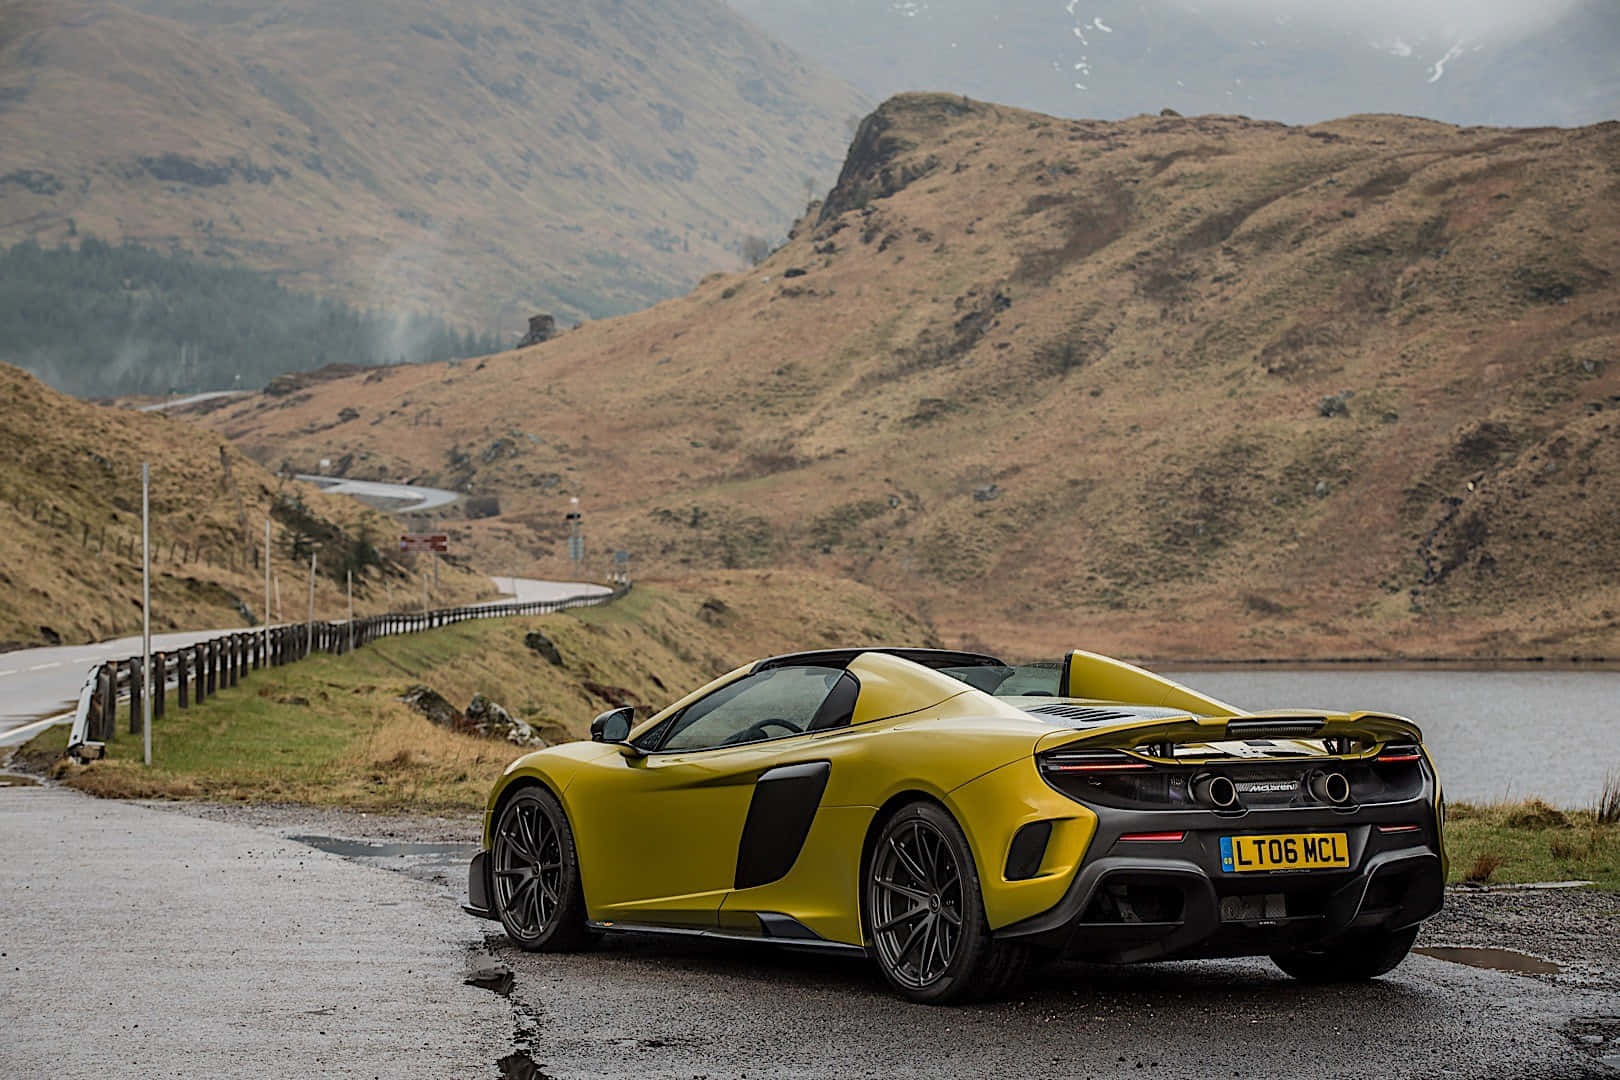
pixel 515 871
pixel 950 916
pixel 904 890
pixel 522 897
pixel 917 873
pixel 920 909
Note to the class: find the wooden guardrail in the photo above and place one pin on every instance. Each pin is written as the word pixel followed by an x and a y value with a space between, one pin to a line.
pixel 199 671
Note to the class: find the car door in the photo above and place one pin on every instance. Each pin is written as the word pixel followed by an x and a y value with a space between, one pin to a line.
pixel 659 834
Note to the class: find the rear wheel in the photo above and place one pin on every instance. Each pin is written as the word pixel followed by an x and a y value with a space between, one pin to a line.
pixel 1354 958
pixel 924 913
pixel 535 874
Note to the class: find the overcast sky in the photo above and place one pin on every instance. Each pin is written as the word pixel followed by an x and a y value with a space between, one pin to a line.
pixel 1474 18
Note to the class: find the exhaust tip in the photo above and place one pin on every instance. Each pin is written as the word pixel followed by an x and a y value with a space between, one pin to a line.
pixel 1216 791
pixel 1330 787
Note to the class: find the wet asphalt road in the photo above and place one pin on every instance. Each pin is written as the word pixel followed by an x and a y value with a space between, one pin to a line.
pixel 240 952
pixel 639 1008
pixel 137 943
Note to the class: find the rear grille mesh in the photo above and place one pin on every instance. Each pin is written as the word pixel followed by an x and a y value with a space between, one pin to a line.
pixel 1080 713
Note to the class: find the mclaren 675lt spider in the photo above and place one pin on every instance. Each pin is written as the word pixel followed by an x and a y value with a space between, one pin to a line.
pixel 955 818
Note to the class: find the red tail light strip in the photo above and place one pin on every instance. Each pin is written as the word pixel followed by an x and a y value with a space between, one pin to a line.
pixel 1391 759
pixel 1397 828
pixel 1154 837
pixel 1110 767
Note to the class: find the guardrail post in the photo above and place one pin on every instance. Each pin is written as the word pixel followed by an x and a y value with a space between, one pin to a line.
pixel 233 659
pixel 134 695
pixel 211 666
pixel 101 725
pixel 160 678
pixel 181 659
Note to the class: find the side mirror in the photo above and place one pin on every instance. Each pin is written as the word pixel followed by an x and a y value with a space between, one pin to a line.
pixel 613 726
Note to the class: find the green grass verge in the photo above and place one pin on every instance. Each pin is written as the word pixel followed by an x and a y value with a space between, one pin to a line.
pixel 1524 842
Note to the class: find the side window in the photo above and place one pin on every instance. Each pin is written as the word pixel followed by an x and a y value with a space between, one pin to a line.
pixel 766 705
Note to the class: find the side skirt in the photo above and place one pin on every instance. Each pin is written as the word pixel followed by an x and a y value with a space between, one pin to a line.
pixel 814 944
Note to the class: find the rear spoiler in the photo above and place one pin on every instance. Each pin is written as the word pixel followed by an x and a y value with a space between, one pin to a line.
pixel 1369 729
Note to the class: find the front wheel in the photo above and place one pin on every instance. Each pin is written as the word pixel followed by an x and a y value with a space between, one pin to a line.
pixel 1354 958
pixel 535 874
pixel 925 914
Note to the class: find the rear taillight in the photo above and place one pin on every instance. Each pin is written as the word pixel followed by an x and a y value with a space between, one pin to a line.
pixel 1154 837
pixel 1398 755
pixel 1107 761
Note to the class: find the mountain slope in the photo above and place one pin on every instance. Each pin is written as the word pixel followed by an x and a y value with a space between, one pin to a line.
pixel 70 502
pixel 1168 385
pixel 1530 64
pixel 483 161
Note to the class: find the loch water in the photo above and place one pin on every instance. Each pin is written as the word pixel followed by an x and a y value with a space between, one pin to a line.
pixel 1497 735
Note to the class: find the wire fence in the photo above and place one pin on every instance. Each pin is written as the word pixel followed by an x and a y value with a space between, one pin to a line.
pixel 202 669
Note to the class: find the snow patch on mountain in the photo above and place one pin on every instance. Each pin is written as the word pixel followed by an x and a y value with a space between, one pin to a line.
pixel 1438 70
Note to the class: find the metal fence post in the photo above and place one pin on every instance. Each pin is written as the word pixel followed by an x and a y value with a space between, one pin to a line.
pixel 180 664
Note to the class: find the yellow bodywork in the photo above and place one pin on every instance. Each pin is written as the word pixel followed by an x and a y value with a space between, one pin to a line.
pixel 658 835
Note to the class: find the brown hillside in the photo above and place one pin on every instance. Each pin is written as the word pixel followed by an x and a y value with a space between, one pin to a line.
pixel 1173 386
pixel 70 506
pixel 484 159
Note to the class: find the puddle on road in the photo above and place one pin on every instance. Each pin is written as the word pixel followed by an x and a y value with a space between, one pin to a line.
pixel 448 861
pixel 1494 959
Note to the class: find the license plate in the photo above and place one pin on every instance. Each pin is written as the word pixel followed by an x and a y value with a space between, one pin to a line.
pixel 1297 851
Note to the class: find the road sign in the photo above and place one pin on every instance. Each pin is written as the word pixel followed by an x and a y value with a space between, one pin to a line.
pixel 621 557
pixel 436 542
pixel 576 548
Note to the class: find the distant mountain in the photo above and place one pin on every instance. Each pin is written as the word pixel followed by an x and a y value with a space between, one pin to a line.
pixel 1117 58
pixel 481 160
pixel 1183 386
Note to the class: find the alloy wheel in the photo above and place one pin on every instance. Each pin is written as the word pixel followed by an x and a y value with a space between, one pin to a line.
pixel 916 903
pixel 528 868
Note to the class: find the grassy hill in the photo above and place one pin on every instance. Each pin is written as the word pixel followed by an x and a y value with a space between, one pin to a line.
pixel 1176 386
pixel 70 502
pixel 481 161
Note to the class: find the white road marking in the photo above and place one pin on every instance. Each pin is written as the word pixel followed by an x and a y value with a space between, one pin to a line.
pixel 42 667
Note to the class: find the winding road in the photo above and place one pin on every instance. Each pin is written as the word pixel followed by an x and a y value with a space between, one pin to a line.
pixel 38 685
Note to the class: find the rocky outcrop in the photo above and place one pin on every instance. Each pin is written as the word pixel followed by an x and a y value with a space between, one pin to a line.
pixel 542 328
pixel 489 720
pixel 539 643
pixel 485 718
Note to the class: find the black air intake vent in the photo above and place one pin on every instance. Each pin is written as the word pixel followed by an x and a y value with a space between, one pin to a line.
pixel 1081 714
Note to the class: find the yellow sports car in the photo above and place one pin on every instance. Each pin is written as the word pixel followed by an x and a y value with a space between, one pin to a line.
pixel 955 817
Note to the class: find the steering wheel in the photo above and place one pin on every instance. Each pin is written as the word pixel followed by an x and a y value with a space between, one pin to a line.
pixel 758 729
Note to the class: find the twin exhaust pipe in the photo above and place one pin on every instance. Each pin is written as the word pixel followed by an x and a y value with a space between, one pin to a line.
pixel 1219 793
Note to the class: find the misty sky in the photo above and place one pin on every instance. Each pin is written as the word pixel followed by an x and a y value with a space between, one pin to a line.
pixel 1471 18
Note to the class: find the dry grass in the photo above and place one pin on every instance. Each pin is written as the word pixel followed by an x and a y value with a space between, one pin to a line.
pixel 1134 358
pixel 1607 807
pixel 1483 868
pixel 84 461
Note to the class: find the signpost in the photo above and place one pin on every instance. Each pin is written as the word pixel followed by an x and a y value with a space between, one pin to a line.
pixel 146 614
pixel 576 540
pixel 435 544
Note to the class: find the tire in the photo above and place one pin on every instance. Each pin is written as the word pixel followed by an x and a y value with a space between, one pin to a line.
pixel 923 913
pixel 1354 958
pixel 534 875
